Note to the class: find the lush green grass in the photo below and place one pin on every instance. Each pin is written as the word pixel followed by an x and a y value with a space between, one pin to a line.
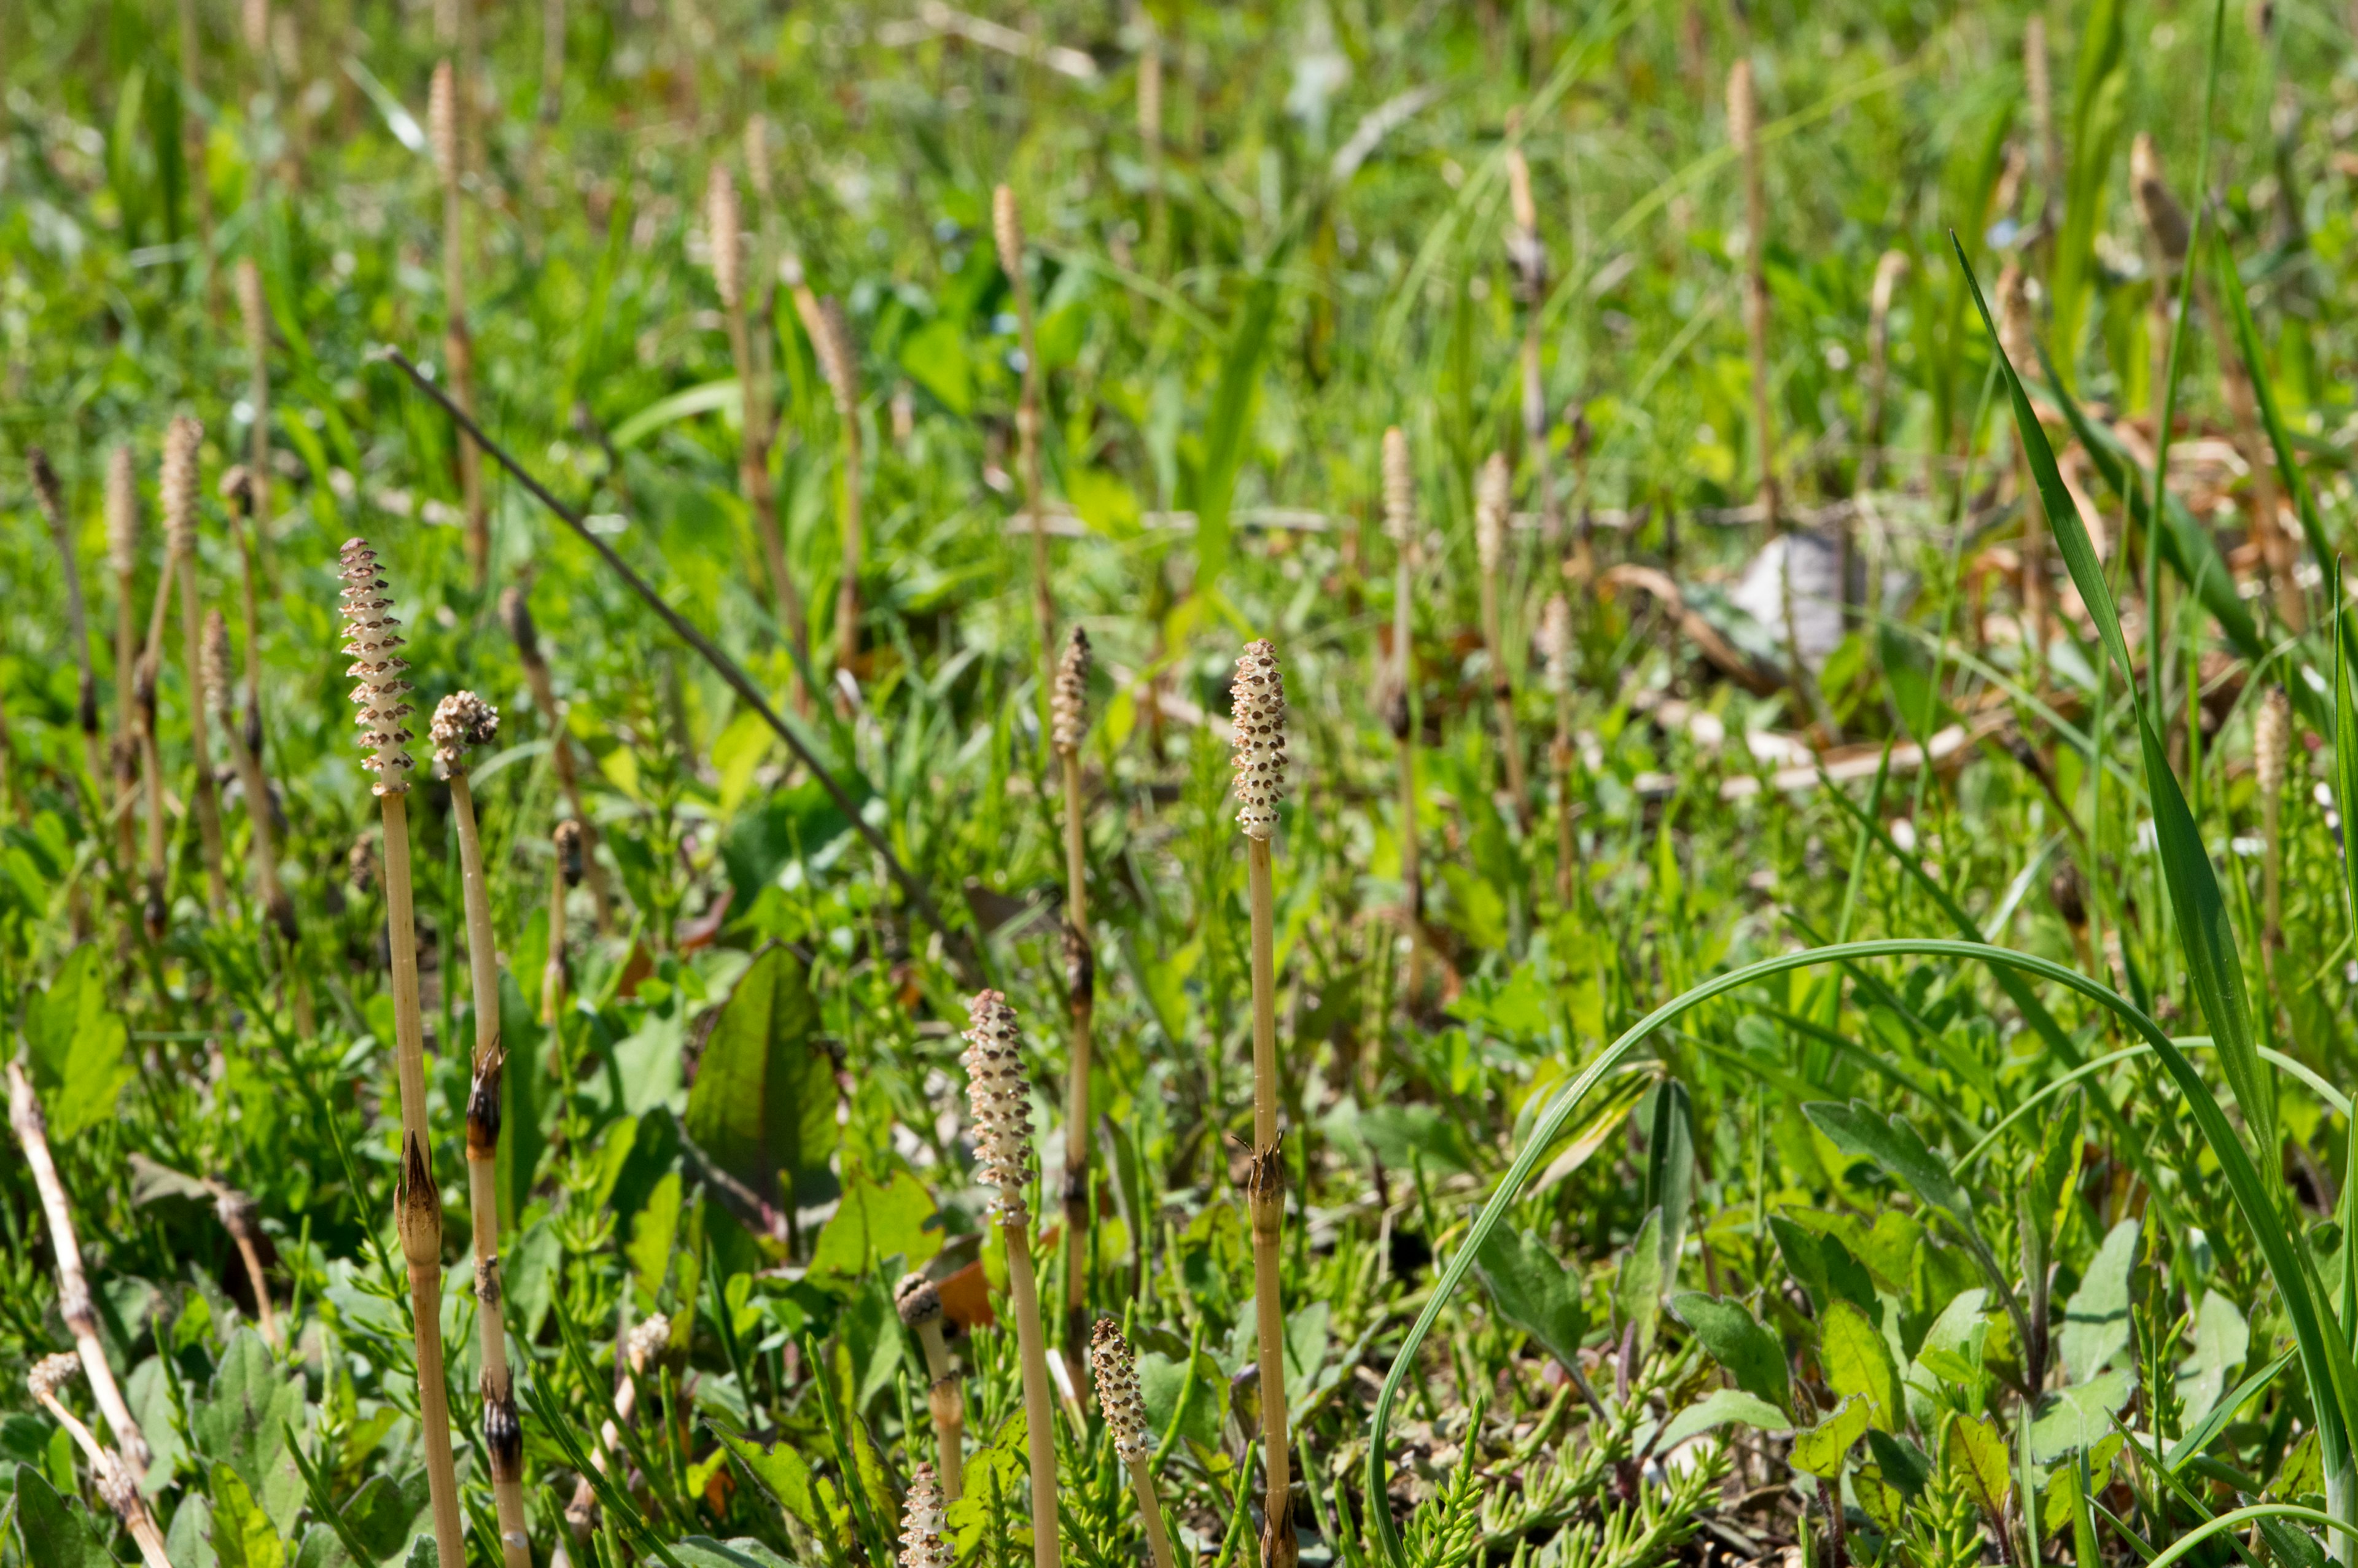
pixel 1932 1151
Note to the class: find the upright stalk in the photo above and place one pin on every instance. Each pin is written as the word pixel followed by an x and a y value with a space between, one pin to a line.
pixel 116 1482
pixel 154 912
pixel 379 669
pixel 516 613
pixel 2271 746
pixel 1530 257
pixel 179 485
pixel 831 339
pixel 1259 715
pixel 563 873
pixel 1491 499
pixel 253 311
pixel 1125 1414
pixel 1555 644
pixel 1400 522
pixel 724 226
pixel 462 721
pixel 447 114
pixel 1000 1096
pixel 2015 332
pixel 123 556
pixel 53 507
pixel 250 779
pixel 920 1305
pixel 1149 140
pixel 1007 229
pixel 1069 707
pixel 193 139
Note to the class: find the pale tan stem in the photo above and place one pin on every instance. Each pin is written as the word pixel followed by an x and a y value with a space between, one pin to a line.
pixel 1080 963
pixel 235 1210
pixel 73 1290
pixel 401 939
pixel 846 598
pixel 1403 733
pixel 1755 320
pixel 946 1400
pixel 193 137
pixel 119 1488
pixel 1150 1510
pixel 208 806
pixel 256 789
pixel 150 754
pixel 2272 870
pixel 1502 696
pixel 552 58
pixel 257 480
pixel 126 722
pixel 1039 1402
pixel 1265 1195
pixel 434 1406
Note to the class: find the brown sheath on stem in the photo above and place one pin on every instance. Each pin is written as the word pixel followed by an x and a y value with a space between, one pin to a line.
pixel 920 1305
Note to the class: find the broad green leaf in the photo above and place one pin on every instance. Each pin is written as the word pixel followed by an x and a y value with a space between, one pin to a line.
pixel 1977 1458
pixel 1952 1346
pixel 2078 1415
pixel 55 1533
pixel 1534 1291
pixel 1822 1450
pixel 1736 1339
pixel 1638 1287
pixel 875 1222
pixel 780 1470
pixel 1718 1408
pixel 75 1047
pixel 2221 1340
pixel 655 1235
pixel 1859 1363
pixel 1825 1268
pixel 1901 1463
pixel 763 1103
pixel 1670 1172
pixel 242 1534
pixel 2096 1319
pixel 386 1516
pixel 1162 1380
pixel 1896 1148
pixel 245 1425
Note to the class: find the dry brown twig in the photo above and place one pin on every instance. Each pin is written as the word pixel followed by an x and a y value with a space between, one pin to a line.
pixel 117 1480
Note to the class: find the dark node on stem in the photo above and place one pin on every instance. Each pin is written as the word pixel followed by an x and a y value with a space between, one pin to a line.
pixel 567 837
pixel 484 1109
pixel 86 705
pixel 282 915
pixel 418 1209
pixel 516 615
pixel 151 911
pixel 1396 713
pixel 487 1288
pixel 45 482
pixel 1080 968
pixel 502 1432
pixel 1077 1185
pixel 1265 1174
pixel 2063 888
pixel 251 728
pixel 237 490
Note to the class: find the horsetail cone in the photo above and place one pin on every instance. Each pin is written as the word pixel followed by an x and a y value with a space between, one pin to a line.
pixel 461 720
pixel 378 667
pixel 924 1518
pixel 1068 702
pixel 1007 230
pixel 442 119
pixel 724 227
pixel 2165 219
pixel 2272 742
pixel 121 511
pixel 253 310
pixel 757 154
pixel 51 1373
pixel 1399 486
pixel 1742 112
pixel 1258 714
pixel 1491 500
pixel 1000 1097
pixel 1117 1396
pixel 1555 642
pixel 180 482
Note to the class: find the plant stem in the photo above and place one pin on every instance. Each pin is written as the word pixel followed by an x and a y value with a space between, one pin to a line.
pixel 73 1290
pixel 1150 1510
pixel 1265 1194
pixel 1039 1403
pixel 1080 971
pixel 115 1483
pixel 208 806
pixel 761 499
pixel 1567 841
pixel 1502 696
pixel 419 1207
pixel 947 1400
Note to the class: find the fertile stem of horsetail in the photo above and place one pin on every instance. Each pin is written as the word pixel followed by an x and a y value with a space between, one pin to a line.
pixel 123 556
pixel 2271 747
pixel 462 721
pixel 253 310
pixel 516 613
pixel 831 338
pixel 2015 335
pixel 53 507
pixel 74 1302
pixel 1556 647
pixel 378 668
pixel 1400 522
pixel 1125 1414
pixel 1007 229
pixel 724 227
pixel 1000 1099
pixel 446 116
pixel 1530 261
pixel 570 839
pixel 180 486
pixel 116 1482
pixel 924 1518
pixel 920 1303
pixel 1257 713
pixel 1742 132
pixel 1068 708
pixel 1491 499
pixel 154 910
pixel 250 779
pixel 1150 139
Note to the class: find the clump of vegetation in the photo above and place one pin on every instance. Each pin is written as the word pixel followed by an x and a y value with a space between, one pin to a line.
pixel 1785 991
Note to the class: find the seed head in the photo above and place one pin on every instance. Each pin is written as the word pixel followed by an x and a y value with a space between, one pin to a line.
pixel 923 1518
pixel 251 308
pixel 1257 710
pixel 918 1299
pixel 1007 229
pixel 567 839
pixel 180 482
pixel 51 1373
pixel 1400 487
pixel 757 155
pixel 442 119
pixel 830 336
pixel 1000 1099
pixel 1491 499
pixel 1117 1375
pixel 461 720
pixel 121 511
pixel 2165 221
pixel 1068 704
pixel 1555 642
pixel 2272 740
pixel 648 1341
pixel 724 226
pixel 235 487
pixel 378 668
pixel 1742 113
pixel 212 663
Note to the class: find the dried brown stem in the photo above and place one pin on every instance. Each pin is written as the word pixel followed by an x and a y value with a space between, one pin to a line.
pixel 115 1480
